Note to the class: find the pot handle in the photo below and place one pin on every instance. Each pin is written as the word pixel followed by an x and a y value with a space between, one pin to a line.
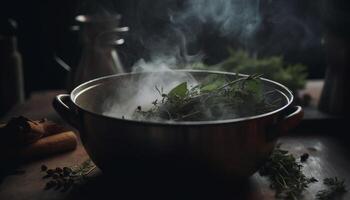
pixel 293 117
pixel 61 104
pixel 289 120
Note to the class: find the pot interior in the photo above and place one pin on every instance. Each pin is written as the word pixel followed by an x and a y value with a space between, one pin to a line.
pixel 119 95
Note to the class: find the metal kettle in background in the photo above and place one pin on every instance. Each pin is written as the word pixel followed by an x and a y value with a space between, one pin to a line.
pixel 100 36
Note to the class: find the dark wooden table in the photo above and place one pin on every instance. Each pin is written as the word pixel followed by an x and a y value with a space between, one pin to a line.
pixel 328 158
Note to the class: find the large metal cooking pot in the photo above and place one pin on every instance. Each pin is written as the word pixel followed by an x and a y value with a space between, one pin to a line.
pixel 224 148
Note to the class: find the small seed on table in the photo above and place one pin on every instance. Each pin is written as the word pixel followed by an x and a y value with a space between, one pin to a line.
pixel 58 169
pixel 50 184
pixel 43 167
pixel 50 172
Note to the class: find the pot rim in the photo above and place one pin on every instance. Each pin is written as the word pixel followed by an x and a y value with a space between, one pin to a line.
pixel 78 91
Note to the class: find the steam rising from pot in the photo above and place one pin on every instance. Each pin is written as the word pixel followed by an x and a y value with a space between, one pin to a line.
pixel 176 42
pixel 170 28
pixel 140 91
pixel 169 48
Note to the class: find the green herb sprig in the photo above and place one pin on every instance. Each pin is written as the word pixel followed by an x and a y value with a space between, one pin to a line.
pixel 285 175
pixel 64 178
pixel 213 99
pixel 335 188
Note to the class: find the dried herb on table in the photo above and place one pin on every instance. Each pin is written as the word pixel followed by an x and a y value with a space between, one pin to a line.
pixel 213 99
pixel 66 177
pixel 335 188
pixel 285 175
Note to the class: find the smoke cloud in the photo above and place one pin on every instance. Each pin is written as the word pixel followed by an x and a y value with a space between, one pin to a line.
pixel 178 27
pixel 232 18
pixel 170 32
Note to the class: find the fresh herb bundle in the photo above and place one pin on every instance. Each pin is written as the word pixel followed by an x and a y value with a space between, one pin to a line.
pixel 214 98
pixel 285 175
pixel 335 186
pixel 64 178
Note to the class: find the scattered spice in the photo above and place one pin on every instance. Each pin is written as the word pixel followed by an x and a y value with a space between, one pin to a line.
pixel 43 167
pixel 50 172
pixel 304 157
pixel 58 170
pixel 286 175
pixel 67 171
pixel 50 184
pixel 64 178
pixel 335 188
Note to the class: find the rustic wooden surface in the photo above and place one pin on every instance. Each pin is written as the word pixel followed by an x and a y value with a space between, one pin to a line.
pixel 328 158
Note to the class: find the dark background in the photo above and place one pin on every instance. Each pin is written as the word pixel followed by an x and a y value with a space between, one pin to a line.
pixel 44 30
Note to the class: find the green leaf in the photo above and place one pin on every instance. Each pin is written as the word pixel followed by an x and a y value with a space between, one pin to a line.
pixel 254 87
pixel 212 86
pixel 179 91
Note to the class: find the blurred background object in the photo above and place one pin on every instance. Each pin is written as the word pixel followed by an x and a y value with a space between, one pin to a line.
pixel 44 29
pixel 11 78
pixel 336 19
pixel 100 36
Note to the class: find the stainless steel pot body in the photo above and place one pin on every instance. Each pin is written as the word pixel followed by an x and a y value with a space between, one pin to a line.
pixel 226 148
